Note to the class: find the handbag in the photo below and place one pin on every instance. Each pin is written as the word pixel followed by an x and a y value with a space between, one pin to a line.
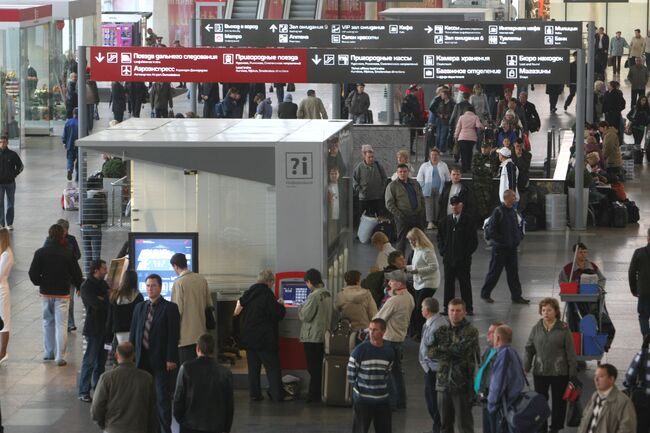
pixel 527 412
pixel 610 61
pixel 96 114
pixel 210 322
pixel 291 87
pixel 574 414
pixel 636 391
pixel 573 390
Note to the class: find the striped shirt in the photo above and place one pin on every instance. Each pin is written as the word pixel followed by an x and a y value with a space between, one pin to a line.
pixel 631 378
pixel 368 370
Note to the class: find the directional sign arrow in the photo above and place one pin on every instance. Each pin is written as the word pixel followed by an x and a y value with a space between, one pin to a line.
pixel 209 27
pixel 316 59
pixel 273 28
pixel 428 29
pixel 99 57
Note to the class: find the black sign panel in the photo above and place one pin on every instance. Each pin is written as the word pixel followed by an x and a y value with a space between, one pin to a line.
pixel 390 34
pixel 435 66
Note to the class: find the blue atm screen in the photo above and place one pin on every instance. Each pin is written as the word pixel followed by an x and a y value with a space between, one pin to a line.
pixel 295 293
pixel 152 257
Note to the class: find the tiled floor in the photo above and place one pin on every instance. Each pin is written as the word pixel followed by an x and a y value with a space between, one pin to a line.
pixel 38 397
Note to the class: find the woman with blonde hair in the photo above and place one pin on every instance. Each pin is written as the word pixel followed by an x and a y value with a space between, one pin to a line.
pixel 403 158
pixel 380 241
pixel 425 270
pixel 6 263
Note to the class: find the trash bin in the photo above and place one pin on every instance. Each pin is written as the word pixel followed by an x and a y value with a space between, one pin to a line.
pixel 555 211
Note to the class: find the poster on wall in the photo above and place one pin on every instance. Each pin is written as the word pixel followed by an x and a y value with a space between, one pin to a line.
pixel 180 16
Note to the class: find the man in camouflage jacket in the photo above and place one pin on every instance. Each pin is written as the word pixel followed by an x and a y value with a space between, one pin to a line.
pixel 483 171
pixel 456 349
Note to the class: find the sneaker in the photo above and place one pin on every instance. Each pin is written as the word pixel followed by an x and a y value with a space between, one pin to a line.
pixel 85 398
pixel 10 228
pixel 69 175
pixel 48 358
pixel 488 299
pixel 61 363
pixel 430 226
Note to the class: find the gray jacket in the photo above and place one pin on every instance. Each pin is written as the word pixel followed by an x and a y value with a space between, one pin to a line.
pixel 638 76
pixel 161 95
pixel 369 181
pixel 428 330
pixel 616 46
pixel 616 416
pixel 125 401
pixel 551 353
pixel 397 200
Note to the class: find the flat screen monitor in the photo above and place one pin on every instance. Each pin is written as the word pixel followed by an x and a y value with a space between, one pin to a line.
pixel 150 254
pixel 294 293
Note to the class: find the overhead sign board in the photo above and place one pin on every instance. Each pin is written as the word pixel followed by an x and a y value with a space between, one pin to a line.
pixel 197 64
pixel 390 34
pixel 434 66
pixel 300 65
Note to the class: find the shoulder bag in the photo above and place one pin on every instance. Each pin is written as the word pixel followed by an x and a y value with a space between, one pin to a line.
pixel 636 391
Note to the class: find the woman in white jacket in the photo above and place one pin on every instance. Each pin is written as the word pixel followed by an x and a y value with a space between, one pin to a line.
pixel 432 176
pixel 6 263
pixel 425 270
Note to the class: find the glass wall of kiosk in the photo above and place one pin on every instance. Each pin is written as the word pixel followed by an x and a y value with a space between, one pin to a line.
pixel 260 194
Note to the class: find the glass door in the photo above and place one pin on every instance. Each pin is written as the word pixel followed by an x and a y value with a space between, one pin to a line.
pixel 10 85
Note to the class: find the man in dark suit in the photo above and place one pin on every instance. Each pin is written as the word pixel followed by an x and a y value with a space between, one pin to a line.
pixel 457 241
pixel 203 400
pixel 155 330
pixel 601 52
pixel 455 187
pixel 209 94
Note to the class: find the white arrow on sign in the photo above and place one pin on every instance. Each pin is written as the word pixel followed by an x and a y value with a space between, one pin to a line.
pixel 316 59
pixel 429 29
pixel 209 27
pixel 99 57
pixel 273 28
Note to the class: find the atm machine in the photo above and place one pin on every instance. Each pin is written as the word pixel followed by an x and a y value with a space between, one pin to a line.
pixel 292 289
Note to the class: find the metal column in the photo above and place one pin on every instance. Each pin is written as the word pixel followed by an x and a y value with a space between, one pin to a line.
pixel 390 107
pixel 579 140
pixel 336 101
pixel 193 85
pixel 81 91
pixel 591 52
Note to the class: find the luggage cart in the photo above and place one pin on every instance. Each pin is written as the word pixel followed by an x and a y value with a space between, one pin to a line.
pixel 574 307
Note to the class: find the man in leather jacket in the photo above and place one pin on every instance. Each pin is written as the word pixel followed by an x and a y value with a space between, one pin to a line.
pixel 203 400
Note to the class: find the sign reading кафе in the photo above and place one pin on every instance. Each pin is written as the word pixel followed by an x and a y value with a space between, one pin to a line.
pixel 390 34
pixel 300 65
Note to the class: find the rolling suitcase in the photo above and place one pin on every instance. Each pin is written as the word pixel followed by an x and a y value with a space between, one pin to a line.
pixel 70 199
pixel 337 391
pixel 341 340
pixel 619 215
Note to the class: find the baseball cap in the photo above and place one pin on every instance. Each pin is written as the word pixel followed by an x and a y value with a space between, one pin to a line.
pixel 455 200
pixel 505 152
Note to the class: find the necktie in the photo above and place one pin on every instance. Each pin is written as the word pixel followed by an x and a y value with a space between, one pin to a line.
pixel 147 326
pixel 598 408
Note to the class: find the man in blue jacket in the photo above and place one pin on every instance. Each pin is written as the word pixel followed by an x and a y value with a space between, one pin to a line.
pixel 507 378
pixel 504 233
pixel 70 136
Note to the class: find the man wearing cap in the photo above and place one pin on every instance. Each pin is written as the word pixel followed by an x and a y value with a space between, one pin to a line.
pixel 397 314
pixel 504 232
pixel 456 187
pixel 457 241
pixel 405 201
pixel 358 103
pixel 10 167
pixel 508 173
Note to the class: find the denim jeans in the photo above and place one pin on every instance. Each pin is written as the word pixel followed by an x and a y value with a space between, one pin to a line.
pixel 91 237
pixel 10 190
pixel 441 138
pixel 73 162
pixel 93 363
pixel 396 386
pixel 55 327
pixel 643 308
pixel 71 308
